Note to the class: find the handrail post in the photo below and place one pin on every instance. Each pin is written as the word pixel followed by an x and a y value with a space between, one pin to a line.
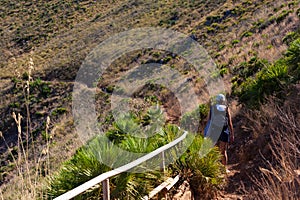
pixel 105 187
pixel 163 169
pixel 163 163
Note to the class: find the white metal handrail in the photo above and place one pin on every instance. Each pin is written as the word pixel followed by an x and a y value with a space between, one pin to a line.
pixel 87 185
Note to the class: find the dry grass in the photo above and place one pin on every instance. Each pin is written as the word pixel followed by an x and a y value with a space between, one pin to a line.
pixel 80 32
pixel 30 164
pixel 280 179
pixel 273 144
pixel 265 44
pixel 29 171
pixel 29 184
pixel 34 158
pixel 60 45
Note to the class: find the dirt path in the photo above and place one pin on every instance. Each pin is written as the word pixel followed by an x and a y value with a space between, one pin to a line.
pixel 237 178
pixel 234 188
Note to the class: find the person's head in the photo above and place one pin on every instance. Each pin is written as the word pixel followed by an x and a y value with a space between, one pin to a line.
pixel 221 99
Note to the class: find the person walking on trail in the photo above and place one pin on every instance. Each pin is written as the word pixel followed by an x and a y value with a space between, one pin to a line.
pixel 219 126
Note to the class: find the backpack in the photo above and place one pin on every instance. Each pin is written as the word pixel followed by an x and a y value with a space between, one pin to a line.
pixel 219 115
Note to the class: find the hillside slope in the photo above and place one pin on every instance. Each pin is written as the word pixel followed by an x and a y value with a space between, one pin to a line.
pixel 231 32
pixel 59 35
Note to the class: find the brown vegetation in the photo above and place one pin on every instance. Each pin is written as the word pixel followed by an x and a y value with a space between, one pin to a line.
pixel 58 35
pixel 265 157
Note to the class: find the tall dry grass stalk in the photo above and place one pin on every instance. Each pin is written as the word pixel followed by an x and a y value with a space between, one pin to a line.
pixel 1 194
pixel 26 91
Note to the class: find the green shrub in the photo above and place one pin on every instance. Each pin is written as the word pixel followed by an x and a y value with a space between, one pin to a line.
pixel 100 155
pixel 201 166
pixel 59 111
pixel 271 79
pixel 235 42
pixel 46 136
pixel 103 154
pixel 40 87
pixel 293 58
pixel 221 46
pixel 283 15
pixel 290 37
pixel 291 4
pixel 246 34
pixel 257 78
pixel 212 19
pixel 15 105
pixel 248 69
pixel 97 157
pixel 191 121
pixel 223 71
pixel 210 29
pixel 130 124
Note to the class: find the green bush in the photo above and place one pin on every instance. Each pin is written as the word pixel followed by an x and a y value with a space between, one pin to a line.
pixel 82 167
pixel 257 78
pixel 248 69
pixel 40 87
pixel 103 154
pixel 290 37
pixel 97 157
pixel 223 71
pixel 246 34
pixel 283 15
pixel 191 121
pixel 130 124
pixel 201 166
pixel 234 42
pixel 293 58
pixel 221 46
pixel 58 111
pixel 269 80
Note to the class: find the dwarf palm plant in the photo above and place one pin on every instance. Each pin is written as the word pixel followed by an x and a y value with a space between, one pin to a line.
pixel 117 147
pixel 201 166
pixel 83 166
pixel 293 58
pixel 97 157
